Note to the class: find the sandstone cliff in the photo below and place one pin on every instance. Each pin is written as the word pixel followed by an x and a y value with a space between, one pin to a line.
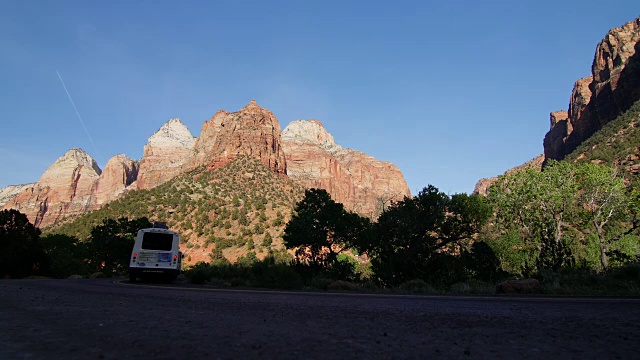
pixel 612 88
pixel 252 131
pixel 119 173
pixel 362 183
pixel 73 185
pixel 168 153
pixel 64 189
pixel 8 193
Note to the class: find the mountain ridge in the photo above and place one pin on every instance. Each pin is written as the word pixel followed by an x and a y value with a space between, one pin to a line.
pixel 76 184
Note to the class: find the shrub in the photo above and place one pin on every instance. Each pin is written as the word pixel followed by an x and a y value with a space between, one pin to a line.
pixel 273 272
pixel 319 282
pixel 416 286
pixel 460 288
pixel 343 285
pixel 199 273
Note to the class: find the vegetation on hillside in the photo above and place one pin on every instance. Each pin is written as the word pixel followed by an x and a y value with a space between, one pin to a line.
pixel 615 144
pixel 238 208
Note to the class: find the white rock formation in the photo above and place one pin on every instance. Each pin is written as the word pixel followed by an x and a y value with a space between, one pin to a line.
pixel 7 193
pixel 311 132
pixel 173 134
pixel 166 155
pixel 359 181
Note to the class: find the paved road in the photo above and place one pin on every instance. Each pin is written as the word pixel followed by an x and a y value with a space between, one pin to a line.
pixel 101 319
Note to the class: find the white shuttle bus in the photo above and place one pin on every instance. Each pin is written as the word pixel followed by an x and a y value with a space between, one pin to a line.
pixel 156 253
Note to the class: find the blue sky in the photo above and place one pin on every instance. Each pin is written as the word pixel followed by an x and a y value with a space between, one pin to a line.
pixel 449 91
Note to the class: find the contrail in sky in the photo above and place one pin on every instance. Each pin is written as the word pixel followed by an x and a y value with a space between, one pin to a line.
pixel 77 113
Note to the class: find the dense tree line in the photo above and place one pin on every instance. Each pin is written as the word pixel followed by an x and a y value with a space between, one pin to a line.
pixel 568 218
pixel 24 252
pixel 20 250
pixel 428 237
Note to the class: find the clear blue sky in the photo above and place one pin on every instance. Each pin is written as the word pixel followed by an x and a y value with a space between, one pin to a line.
pixel 449 91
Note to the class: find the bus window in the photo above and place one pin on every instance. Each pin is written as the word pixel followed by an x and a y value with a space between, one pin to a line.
pixel 157 241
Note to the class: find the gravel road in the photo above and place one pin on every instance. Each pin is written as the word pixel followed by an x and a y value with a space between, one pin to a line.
pixel 103 319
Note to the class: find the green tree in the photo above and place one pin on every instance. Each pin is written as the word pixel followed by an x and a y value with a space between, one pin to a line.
pixel 561 213
pixel 235 201
pixel 216 255
pixel 20 253
pixel 413 234
pixel 247 260
pixel 540 207
pixel 68 255
pixel 111 243
pixel 321 229
pixel 267 240
pixel 603 199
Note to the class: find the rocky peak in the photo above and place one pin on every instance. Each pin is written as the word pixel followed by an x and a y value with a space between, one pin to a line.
pixel 615 51
pixel 64 189
pixel 361 182
pixel 172 134
pixel 251 106
pixel 119 173
pixel 310 132
pixel 580 97
pixel 68 164
pixel 616 72
pixel 557 116
pixel 253 131
pixel 126 168
pixel 166 155
pixel 612 88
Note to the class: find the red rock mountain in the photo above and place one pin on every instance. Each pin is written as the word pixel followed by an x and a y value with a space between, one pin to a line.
pixel 119 173
pixel 359 181
pixel 8 193
pixel 612 88
pixel 252 131
pixel 64 189
pixel 74 184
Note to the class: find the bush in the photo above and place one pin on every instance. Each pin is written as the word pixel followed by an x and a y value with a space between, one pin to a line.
pixel 417 286
pixel 320 283
pixel 460 288
pixel 343 285
pixel 237 282
pixel 629 272
pixel 369 285
pixel 272 274
pixel 199 273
